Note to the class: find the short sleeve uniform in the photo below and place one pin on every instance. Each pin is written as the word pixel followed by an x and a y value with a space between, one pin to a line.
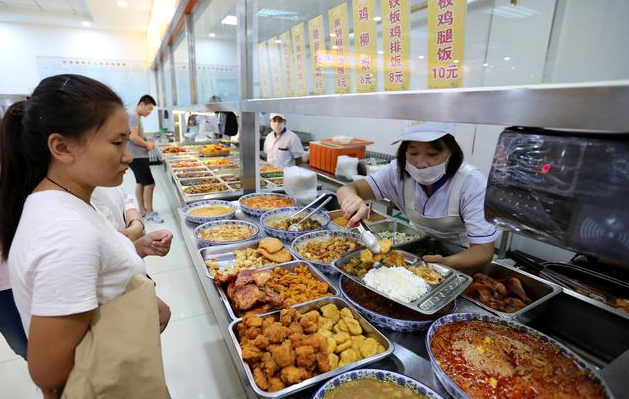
pixel 282 151
pixel 386 183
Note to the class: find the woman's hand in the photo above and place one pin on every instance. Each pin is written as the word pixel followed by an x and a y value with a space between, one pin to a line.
pixel 164 314
pixel 154 243
pixel 354 209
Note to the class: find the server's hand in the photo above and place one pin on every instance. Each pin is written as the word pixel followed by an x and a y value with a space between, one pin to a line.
pixel 354 209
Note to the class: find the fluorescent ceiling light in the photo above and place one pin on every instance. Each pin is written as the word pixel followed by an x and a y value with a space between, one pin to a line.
pixel 335 47
pixel 278 41
pixel 421 57
pixel 230 20
pixel 507 58
pixel 86 23
pixel 212 35
pixel 377 19
pixel 332 34
pixel 485 64
pixel 122 3
pixel 280 14
pixel 380 52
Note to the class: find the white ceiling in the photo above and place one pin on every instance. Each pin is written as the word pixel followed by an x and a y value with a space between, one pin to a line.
pixel 102 14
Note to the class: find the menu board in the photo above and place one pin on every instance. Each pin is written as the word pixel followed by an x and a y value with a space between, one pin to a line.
pixel 287 63
pixel 276 66
pixel 446 40
pixel 396 43
pixel 299 48
pixel 129 79
pixel 339 37
pixel 316 33
pixel 263 62
pixel 365 48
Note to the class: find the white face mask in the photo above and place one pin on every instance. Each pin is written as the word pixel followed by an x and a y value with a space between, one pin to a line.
pixel 427 175
pixel 278 127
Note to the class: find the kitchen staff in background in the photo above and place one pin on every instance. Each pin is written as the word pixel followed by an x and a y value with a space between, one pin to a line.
pixel 192 129
pixel 438 192
pixel 282 146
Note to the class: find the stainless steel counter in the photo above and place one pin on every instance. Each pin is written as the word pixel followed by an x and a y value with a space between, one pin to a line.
pixel 410 356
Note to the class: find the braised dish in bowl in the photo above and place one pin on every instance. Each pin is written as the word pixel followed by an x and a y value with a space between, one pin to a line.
pixel 480 357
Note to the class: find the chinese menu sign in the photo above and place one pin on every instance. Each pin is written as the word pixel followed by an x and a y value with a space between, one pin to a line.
pixel 446 40
pixel 263 62
pixel 275 62
pixel 317 54
pixel 396 43
pixel 299 52
pixel 339 39
pixel 287 63
pixel 365 45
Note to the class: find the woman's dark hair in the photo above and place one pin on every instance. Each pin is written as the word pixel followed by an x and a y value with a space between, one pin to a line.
pixel 70 105
pixel 448 141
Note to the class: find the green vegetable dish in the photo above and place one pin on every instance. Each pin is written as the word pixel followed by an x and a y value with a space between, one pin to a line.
pixel 284 223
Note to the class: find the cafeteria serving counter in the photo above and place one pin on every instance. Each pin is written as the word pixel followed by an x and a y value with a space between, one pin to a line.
pixel 599 337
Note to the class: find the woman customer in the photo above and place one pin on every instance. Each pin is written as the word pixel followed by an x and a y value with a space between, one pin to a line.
pixel 65 258
pixel 438 192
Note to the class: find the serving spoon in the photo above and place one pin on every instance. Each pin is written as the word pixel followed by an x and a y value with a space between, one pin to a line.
pixel 295 226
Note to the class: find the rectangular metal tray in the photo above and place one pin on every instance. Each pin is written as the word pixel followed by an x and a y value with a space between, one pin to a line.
pixel 396 227
pixel 369 331
pixel 198 180
pixel 539 290
pixel 224 254
pixel 375 218
pixel 438 295
pixel 289 266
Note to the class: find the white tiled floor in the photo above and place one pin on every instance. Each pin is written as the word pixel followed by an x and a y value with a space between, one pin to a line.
pixel 196 360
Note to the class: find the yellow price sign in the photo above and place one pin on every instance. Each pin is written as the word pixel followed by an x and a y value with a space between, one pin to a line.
pixel 339 37
pixel 397 45
pixel 316 33
pixel 365 37
pixel 299 53
pixel 446 41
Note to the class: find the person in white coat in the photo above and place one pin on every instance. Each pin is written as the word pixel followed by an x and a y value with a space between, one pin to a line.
pixel 438 192
pixel 282 146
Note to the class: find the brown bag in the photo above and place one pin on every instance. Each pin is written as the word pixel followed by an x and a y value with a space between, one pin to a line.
pixel 120 357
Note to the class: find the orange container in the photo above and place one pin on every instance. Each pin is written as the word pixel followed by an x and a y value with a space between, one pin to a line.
pixel 324 158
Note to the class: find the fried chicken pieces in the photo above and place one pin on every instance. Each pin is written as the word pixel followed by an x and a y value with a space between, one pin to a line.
pixel 295 351
pixel 300 346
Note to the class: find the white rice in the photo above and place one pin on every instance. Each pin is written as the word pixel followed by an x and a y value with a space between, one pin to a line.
pixel 396 282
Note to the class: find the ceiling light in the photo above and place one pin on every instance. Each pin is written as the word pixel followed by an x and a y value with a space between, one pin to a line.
pixel 421 57
pixel 230 20
pixel 335 47
pixel 332 34
pixel 122 3
pixel 278 41
pixel 212 35
pixel 507 58
pixel 86 23
pixel 377 19
pixel 380 52
pixel 485 64
pixel 513 68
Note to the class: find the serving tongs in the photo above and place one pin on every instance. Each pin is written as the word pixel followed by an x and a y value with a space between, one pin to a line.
pixel 370 239
pixel 295 226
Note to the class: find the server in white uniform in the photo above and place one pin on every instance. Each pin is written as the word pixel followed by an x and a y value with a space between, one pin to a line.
pixel 283 147
pixel 438 192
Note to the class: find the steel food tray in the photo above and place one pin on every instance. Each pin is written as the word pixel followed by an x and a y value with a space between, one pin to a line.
pixel 224 254
pixel 438 295
pixel 369 331
pixel 396 226
pixel 539 290
pixel 374 218
pixel 193 181
pixel 289 266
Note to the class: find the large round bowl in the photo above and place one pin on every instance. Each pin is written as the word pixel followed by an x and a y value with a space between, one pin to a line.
pixel 383 321
pixel 223 223
pixel 287 235
pixel 206 219
pixel 375 374
pixel 258 212
pixel 318 235
pixel 457 392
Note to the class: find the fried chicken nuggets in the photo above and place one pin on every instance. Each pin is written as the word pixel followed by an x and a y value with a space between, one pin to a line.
pixel 299 346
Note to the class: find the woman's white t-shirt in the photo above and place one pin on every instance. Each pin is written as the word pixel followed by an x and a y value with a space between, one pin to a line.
pixel 66 258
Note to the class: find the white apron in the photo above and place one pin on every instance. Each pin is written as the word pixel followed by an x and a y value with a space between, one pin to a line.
pixel 450 227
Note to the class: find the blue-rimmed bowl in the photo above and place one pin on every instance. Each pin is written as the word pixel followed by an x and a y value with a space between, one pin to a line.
pixel 206 219
pixel 390 323
pixel 457 392
pixel 286 235
pixel 258 212
pixel 318 235
pixel 223 223
pixel 375 374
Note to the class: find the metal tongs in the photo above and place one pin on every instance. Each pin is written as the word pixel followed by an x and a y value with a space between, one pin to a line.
pixel 295 226
pixel 370 239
